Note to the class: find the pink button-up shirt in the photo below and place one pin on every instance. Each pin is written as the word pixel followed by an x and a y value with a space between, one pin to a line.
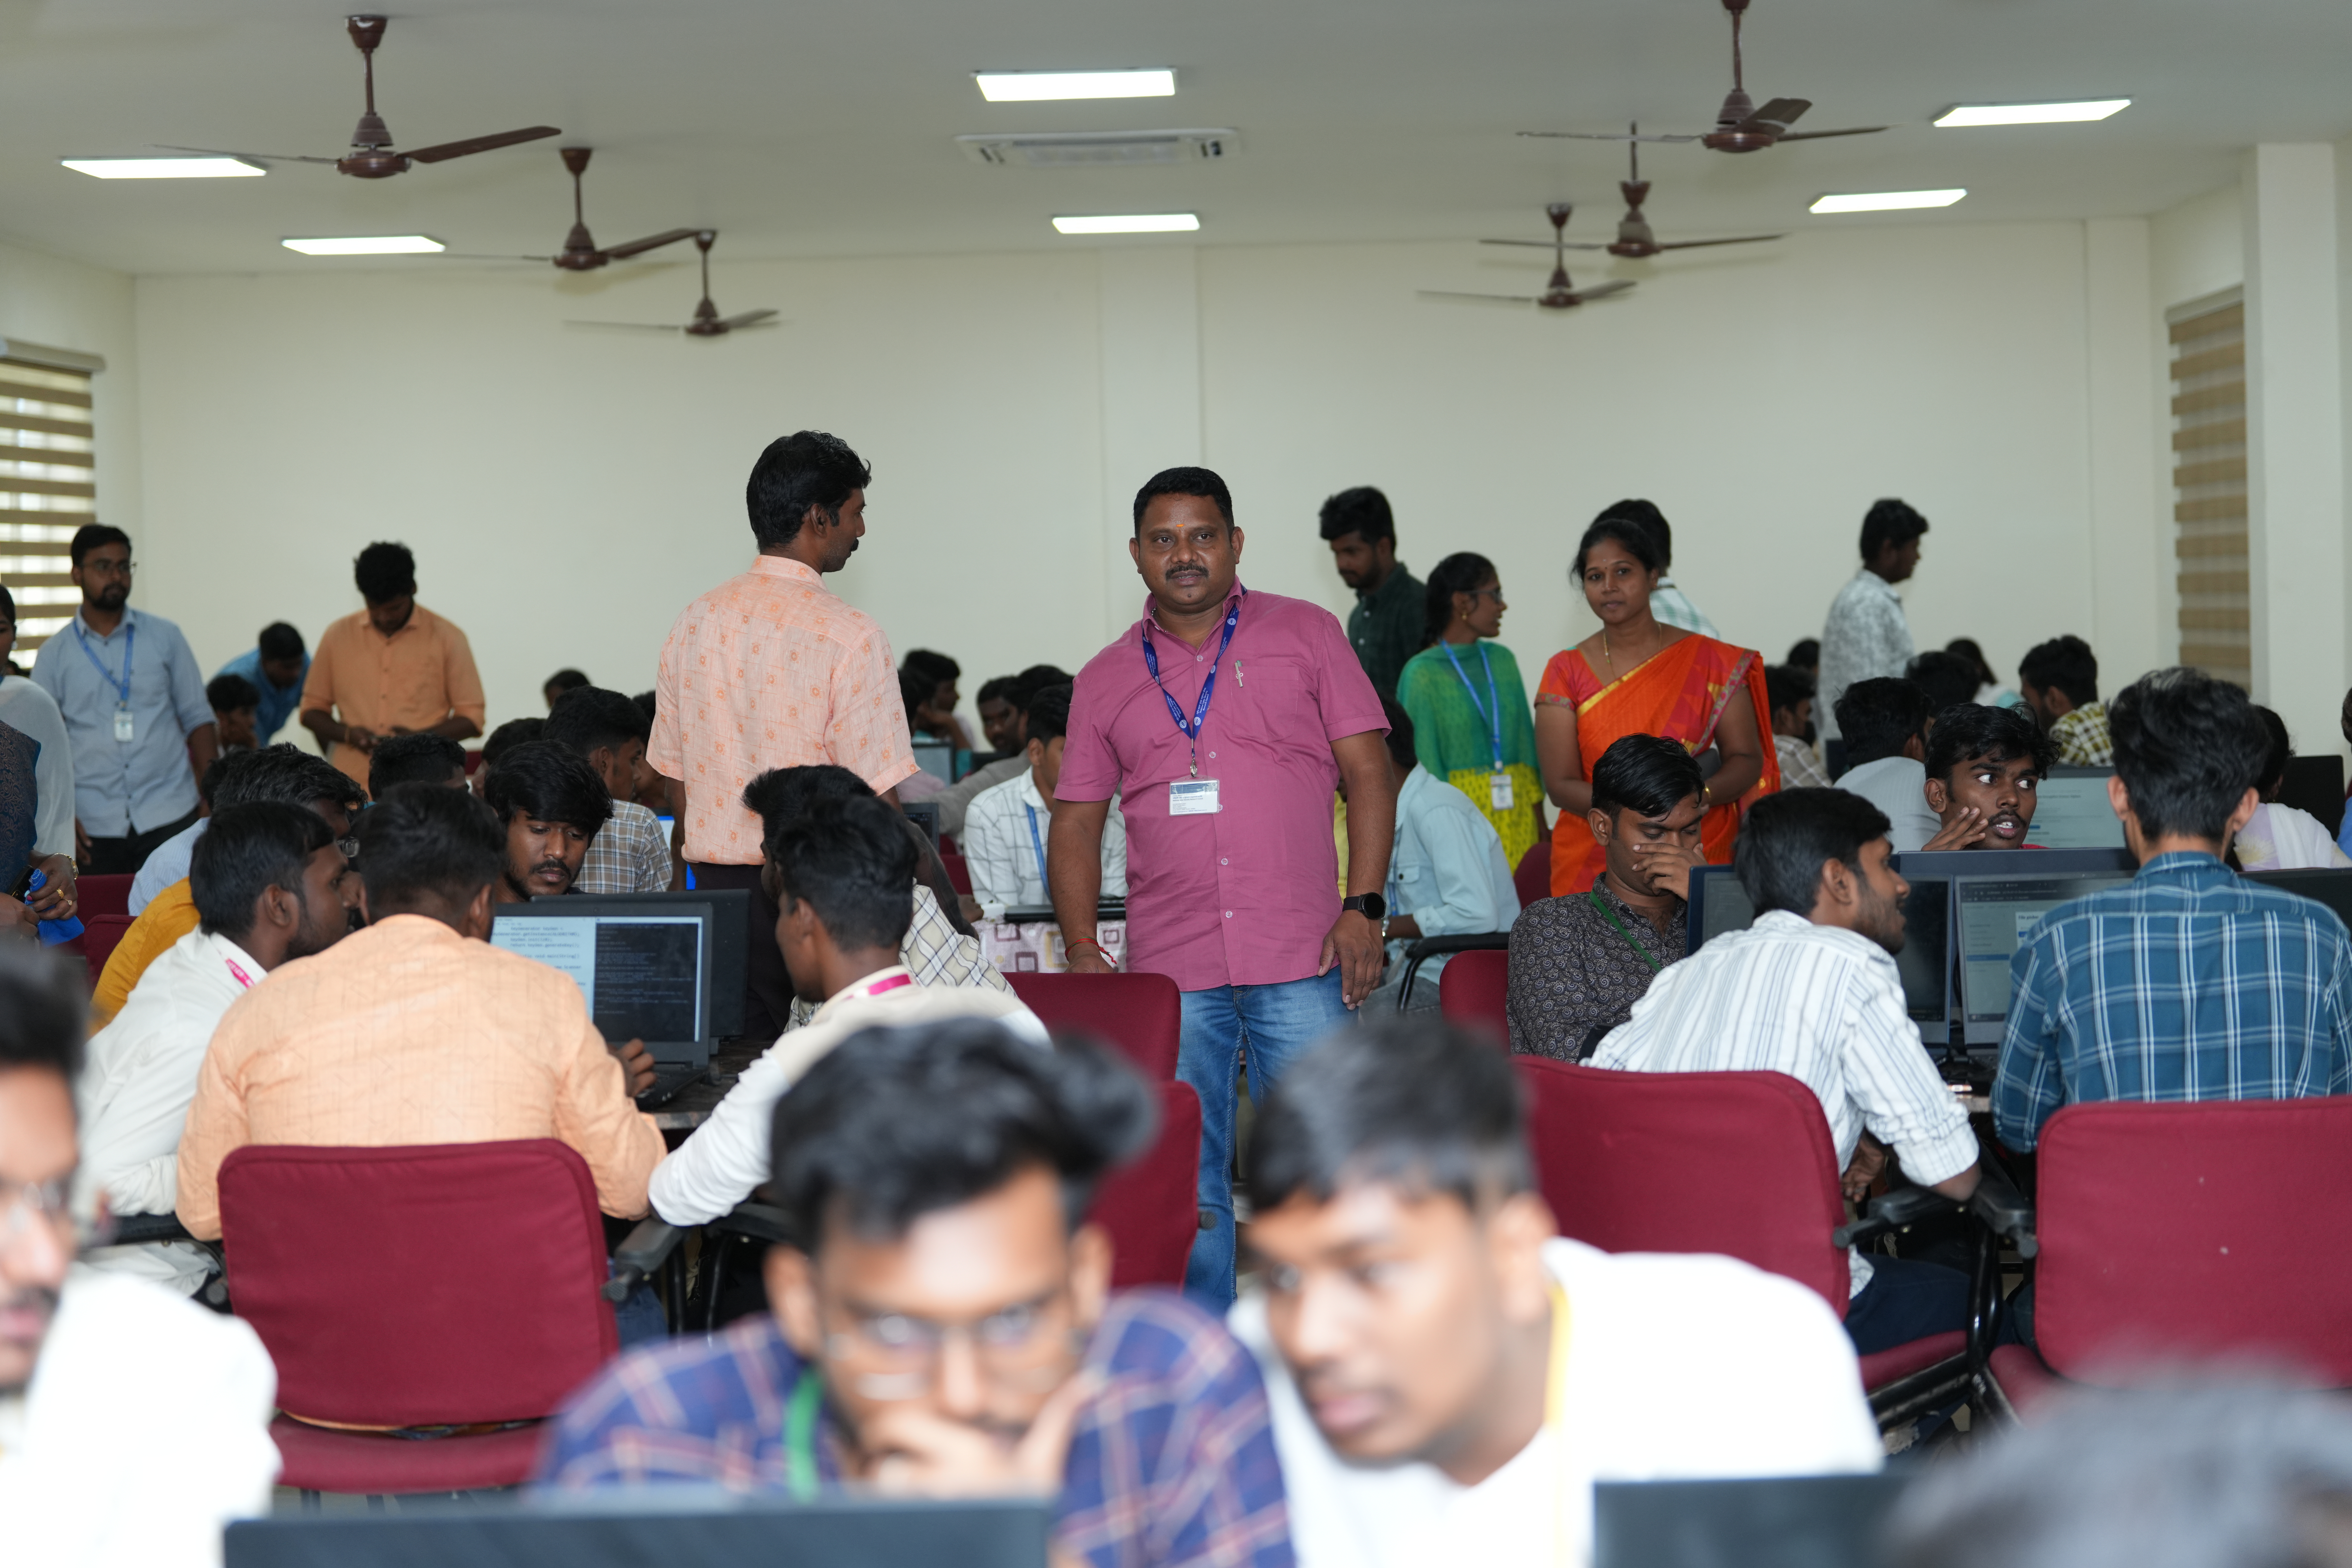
pixel 1242 897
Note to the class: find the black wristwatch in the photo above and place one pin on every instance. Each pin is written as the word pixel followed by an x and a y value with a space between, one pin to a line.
pixel 1371 906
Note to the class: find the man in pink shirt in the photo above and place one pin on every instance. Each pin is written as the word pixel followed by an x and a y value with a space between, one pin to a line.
pixel 770 670
pixel 1225 719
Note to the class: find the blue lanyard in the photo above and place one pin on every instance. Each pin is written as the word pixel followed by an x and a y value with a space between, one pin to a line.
pixel 1192 731
pixel 130 637
pixel 1038 844
pixel 1495 719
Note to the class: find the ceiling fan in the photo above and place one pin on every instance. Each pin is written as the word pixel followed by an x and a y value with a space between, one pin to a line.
pixel 708 323
pixel 579 252
pixel 1635 239
pixel 1739 125
pixel 1559 293
pixel 373 158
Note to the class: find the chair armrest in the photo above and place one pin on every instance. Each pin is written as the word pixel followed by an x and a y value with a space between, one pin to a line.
pixel 761 1222
pixel 644 1249
pixel 2004 1210
pixel 1894 1211
pixel 132 1229
pixel 1431 946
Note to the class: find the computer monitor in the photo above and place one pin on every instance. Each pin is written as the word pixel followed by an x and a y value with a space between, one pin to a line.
pixel 1994 915
pixel 678 1527
pixel 645 964
pixel 936 757
pixel 2332 887
pixel 1803 1521
pixel 1719 904
pixel 925 815
pixel 2072 811
pixel 730 926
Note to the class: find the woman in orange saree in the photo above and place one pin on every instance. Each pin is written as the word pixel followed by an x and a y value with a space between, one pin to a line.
pixel 1637 676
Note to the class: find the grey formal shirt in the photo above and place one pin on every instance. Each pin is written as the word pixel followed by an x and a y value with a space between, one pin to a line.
pixel 1866 637
pixel 122 787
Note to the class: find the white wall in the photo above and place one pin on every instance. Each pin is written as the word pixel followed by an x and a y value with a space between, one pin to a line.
pixel 568 491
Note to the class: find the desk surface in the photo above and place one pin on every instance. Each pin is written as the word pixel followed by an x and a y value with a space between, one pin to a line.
pixel 694 1103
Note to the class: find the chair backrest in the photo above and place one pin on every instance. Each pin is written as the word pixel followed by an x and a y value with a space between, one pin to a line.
pixel 1475 989
pixel 1141 1015
pixel 1734 1163
pixel 1533 878
pixel 958 874
pixel 100 935
pixel 439 1284
pixel 2173 1232
pixel 1152 1206
pixel 102 896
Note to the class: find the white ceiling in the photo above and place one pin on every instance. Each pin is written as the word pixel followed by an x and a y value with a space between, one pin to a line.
pixel 826 130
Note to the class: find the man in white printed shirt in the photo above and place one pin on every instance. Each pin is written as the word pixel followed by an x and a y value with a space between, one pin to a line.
pixel 1004 831
pixel 1812 990
pixel 843 874
pixel 1867 635
pixel 630 853
pixel 269 885
pixel 1448 1377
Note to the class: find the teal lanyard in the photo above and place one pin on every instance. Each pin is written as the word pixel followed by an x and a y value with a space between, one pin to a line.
pixel 800 1437
pixel 1491 709
pixel 1593 897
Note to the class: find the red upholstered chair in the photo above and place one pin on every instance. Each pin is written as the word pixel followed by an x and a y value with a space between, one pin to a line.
pixel 1151 1207
pixel 473 761
pixel 102 896
pixel 958 874
pixel 1533 878
pixel 1141 1015
pixel 2170 1235
pixel 1732 1162
pixel 100 935
pixel 438 1285
pixel 1475 990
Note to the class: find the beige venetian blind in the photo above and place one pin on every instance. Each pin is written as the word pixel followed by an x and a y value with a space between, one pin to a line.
pixel 47 489
pixel 2209 479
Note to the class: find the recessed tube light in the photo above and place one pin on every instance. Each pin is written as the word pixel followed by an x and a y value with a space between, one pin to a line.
pixel 1129 223
pixel 1886 200
pixel 1035 87
pixel 366 244
pixel 2031 113
pixel 163 168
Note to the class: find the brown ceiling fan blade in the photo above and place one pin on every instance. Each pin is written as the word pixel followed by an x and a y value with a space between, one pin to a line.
pixel 257 157
pixel 1603 290
pixel 1780 111
pixel 1545 244
pixel 625 326
pixel 1458 294
pixel 651 242
pixel 448 149
pixel 748 317
pixel 1743 239
pixel 1849 131
pixel 1606 136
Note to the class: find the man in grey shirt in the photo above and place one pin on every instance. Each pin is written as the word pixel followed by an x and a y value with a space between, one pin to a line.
pixel 1867 635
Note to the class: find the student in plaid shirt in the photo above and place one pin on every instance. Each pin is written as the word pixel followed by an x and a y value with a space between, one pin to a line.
pixel 948 1331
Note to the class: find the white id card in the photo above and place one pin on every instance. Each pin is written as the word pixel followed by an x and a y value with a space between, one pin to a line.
pixel 1498 791
pixel 1193 797
pixel 122 731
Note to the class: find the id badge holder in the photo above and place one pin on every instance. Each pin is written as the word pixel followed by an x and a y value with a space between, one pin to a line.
pixel 1498 790
pixel 1193 797
pixel 122 727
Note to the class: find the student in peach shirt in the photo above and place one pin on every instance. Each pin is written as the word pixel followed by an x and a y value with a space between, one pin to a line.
pixel 416 1030
pixel 394 669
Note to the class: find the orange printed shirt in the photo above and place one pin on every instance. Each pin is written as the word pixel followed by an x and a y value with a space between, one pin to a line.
pixel 412 679
pixel 770 670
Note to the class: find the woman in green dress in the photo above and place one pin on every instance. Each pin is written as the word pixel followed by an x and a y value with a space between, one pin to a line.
pixel 1470 721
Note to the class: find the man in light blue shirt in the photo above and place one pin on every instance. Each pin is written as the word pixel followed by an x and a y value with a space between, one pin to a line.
pixel 133 700
pixel 1447 877
pixel 276 666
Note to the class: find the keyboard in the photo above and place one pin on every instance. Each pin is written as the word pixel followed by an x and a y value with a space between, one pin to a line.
pixel 669 1079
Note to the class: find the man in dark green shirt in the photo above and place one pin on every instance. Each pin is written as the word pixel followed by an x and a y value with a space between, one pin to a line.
pixel 1386 626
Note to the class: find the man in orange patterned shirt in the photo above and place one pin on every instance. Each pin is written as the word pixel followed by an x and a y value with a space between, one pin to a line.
pixel 770 670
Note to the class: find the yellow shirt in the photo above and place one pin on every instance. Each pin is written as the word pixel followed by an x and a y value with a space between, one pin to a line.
pixel 168 917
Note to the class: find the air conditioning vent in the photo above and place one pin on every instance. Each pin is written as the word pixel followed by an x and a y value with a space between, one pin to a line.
pixel 1096 149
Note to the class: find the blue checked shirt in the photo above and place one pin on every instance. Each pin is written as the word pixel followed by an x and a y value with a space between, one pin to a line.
pixel 1172 1464
pixel 2188 982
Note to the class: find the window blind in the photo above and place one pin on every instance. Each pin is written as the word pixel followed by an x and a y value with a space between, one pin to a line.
pixel 2209 481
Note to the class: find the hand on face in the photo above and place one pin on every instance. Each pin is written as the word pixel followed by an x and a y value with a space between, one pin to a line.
pixel 1997 797
pixel 914 1452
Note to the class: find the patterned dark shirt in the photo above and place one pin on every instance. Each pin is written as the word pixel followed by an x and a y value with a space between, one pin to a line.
pixel 1574 977
pixel 1385 627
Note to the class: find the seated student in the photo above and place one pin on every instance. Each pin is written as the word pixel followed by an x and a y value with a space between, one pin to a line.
pixel 1579 964
pixel 1005 829
pixel 416 1030
pixel 283 772
pixel 946 1326
pixel 2188 982
pixel 271 886
pixel 956 798
pixel 550 804
pixel 1447 873
pixel 2060 681
pixel 1947 678
pixel 630 854
pixel 276 665
pixel 1790 692
pixel 562 680
pixel 1984 766
pixel 914 690
pixel 236 703
pixel 421 757
pixel 1811 990
pixel 1885 723
pixel 1448 1375
pixel 927 682
pixel 132 1426
pixel 1805 654
pixel 1990 690
pixel 504 739
pixel 844 877
pixel 169 863
pixel 999 705
pixel 2282 837
pixel 939 948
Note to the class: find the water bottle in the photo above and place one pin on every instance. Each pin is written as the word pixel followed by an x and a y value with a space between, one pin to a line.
pixel 52 932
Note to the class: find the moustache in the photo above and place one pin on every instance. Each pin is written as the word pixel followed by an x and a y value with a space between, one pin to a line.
pixel 551 866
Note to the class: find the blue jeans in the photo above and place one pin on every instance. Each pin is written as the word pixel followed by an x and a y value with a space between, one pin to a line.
pixel 1272 1025
pixel 1905 1301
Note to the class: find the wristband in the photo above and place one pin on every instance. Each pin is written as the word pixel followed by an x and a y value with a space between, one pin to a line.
pixel 1101 952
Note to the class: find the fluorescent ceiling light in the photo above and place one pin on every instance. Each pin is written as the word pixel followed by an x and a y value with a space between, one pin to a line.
pixel 366 244
pixel 1886 200
pixel 2031 113
pixel 164 168
pixel 1129 223
pixel 1033 87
